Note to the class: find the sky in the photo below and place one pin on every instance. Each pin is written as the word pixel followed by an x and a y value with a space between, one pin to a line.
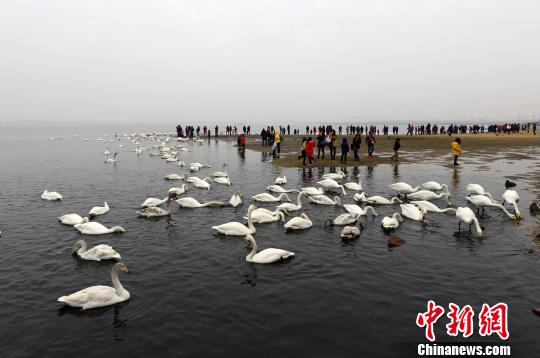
pixel 268 62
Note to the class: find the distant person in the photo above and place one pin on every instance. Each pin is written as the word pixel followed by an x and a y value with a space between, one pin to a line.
pixel 355 146
pixel 288 129
pixel 344 150
pixel 370 141
pixel 216 131
pixel 534 128
pixel 242 141
pixel 397 145
pixel 456 150
pixel 303 150
pixel 320 145
pixel 333 145
pixel 310 150
pixel 277 141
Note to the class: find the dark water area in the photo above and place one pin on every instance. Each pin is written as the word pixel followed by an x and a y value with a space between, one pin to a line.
pixel 192 292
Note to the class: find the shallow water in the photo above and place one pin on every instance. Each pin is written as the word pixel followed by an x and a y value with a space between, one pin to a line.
pixel 192 292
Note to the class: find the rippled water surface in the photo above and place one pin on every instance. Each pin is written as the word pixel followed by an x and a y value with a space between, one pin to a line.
pixel 193 294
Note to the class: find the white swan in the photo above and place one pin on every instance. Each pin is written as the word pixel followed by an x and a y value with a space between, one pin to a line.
pixel 310 190
pixel 343 219
pixel 287 207
pixel 331 184
pixel 51 195
pixel 512 197
pixel 198 166
pixel 429 195
pixel 412 212
pixel 173 177
pixel 223 180
pixel 376 199
pixel 178 191
pixel 263 216
pixel 153 202
pixel 482 201
pixel 335 176
pixel 298 223
pixel 96 253
pixel 155 211
pixel 220 174
pixel 355 209
pixel 266 256
pixel 429 206
pixel 99 210
pixel 189 202
pixel 392 222
pixel 352 232
pixel 265 197
pixel 435 186
pixel 99 296
pixel 403 188
pixel 278 189
pixel 280 180
pixel 235 228
pixel 95 228
pixel 236 199
pixel 203 184
pixel 324 200
pixel 353 185
pixel 466 215
pixel 111 160
pixel 72 219
pixel 477 189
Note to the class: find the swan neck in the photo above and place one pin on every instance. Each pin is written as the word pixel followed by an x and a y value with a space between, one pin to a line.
pixel 250 222
pixel 249 257
pixel 120 290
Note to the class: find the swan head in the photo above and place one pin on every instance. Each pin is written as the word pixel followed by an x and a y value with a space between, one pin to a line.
pixel 337 199
pixel 118 229
pixel 120 266
pixel 85 220
pixel 249 237
pixel 79 244
pixel 329 222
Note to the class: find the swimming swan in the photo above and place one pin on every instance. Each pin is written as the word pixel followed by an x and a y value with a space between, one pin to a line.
pixel 293 207
pixel 353 185
pixel 310 190
pixel 331 184
pixel 478 190
pixel 72 219
pixel 403 188
pixel 281 180
pixel 352 232
pixel 466 215
pixel 203 183
pixel 391 223
pixel 237 229
pixel 153 202
pixel 435 186
pixel 223 180
pixel 99 296
pixel 51 195
pixel 178 191
pixel 189 202
pixel 299 223
pixel 265 197
pixel 173 177
pixel 95 228
pixel 343 219
pixel 99 210
pixel 278 189
pixel 266 256
pixel 96 253
pixel 334 176
pixel 429 195
pixel 355 209
pixel 412 212
pixel 512 197
pixel 429 206
pixel 156 211
pixel 220 174
pixel 324 200
pixel 263 216
pixel 236 199
pixel 376 199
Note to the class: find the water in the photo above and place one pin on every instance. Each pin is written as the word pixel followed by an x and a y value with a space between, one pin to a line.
pixel 194 295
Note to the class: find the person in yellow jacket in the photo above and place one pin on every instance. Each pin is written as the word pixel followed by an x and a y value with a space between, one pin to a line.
pixel 277 143
pixel 456 150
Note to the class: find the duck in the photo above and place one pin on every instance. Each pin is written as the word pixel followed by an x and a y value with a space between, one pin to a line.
pixel 280 180
pixel 299 222
pixel 96 253
pixel 477 189
pixel 435 186
pixel 220 174
pixel 482 201
pixel 156 211
pixel 72 219
pixel 95 228
pixel 173 177
pixel 331 184
pixel 355 209
pixel 403 188
pixel 392 222
pixel 263 216
pixel 512 197
pixel 352 232
pixel 310 190
pixel 178 191
pixel 429 195
pixel 343 219
pixel 412 212
pixel 51 196
pixel 429 206
pixel 278 189
pixel 324 200
pixel 376 199
pixel 234 228
pixel 99 210
pixel 223 180
pixel 335 176
pixel 189 202
pixel 354 186
pixel 466 215
pixel 236 199
pixel 287 207
pixel 99 296
pixel 266 256
pixel 265 197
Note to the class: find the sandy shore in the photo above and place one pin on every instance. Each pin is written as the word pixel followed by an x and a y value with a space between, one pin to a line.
pixel 415 149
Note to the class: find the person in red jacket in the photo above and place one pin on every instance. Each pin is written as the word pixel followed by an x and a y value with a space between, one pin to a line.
pixel 310 150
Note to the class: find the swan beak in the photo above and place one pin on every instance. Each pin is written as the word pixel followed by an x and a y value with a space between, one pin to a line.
pixel 125 269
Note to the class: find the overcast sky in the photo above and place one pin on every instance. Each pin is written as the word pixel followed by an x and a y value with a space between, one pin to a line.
pixel 269 61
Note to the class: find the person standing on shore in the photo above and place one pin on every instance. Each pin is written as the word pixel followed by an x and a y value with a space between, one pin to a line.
pixel 456 150
pixel 370 140
pixel 333 145
pixel 320 145
pixel 310 150
pixel 397 145
pixel 216 130
pixel 355 146
pixel 534 128
pixel 303 148
pixel 344 150
pixel 277 141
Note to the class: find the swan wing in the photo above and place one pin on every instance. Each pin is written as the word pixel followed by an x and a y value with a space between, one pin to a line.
pixel 91 297
pixel 232 228
pixel 268 256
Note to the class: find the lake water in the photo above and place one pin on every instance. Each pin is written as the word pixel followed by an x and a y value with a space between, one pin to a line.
pixel 193 294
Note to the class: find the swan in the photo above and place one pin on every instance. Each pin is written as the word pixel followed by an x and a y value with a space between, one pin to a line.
pixel 72 219
pixel 236 199
pixel 324 200
pixel 51 195
pixel 190 202
pixel 355 209
pixel 153 202
pixel 111 160
pixel 195 167
pixel 482 201
pixel 99 296
pixel 281 180
pixel 331 184
pixel 434 186
pixel 203 184
pixel 312 190
pixel 335 176
pixel 181 164
pixel 353 185
pixel 292 207
pixel 412 212
pixel 220 174
pixel 107 151
pixel 96 253
pixel 155 211
pixel 178 191
pixel 171 159
pixel 429 206
pixel 477 189
pixel 236 228
pixel 352 232
pixel 263 216
pixel 391 223
pixel 376 199
pixel 99 210
pixel 512 197
pixel 265 197
pixel 279 189
pixel 403 188
pixel 95 228
pixel 466 215
pixel 429 195
pixel 266 256
pixel 223 180
pixel 343 219
pixel 298 223
pixel 173 177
